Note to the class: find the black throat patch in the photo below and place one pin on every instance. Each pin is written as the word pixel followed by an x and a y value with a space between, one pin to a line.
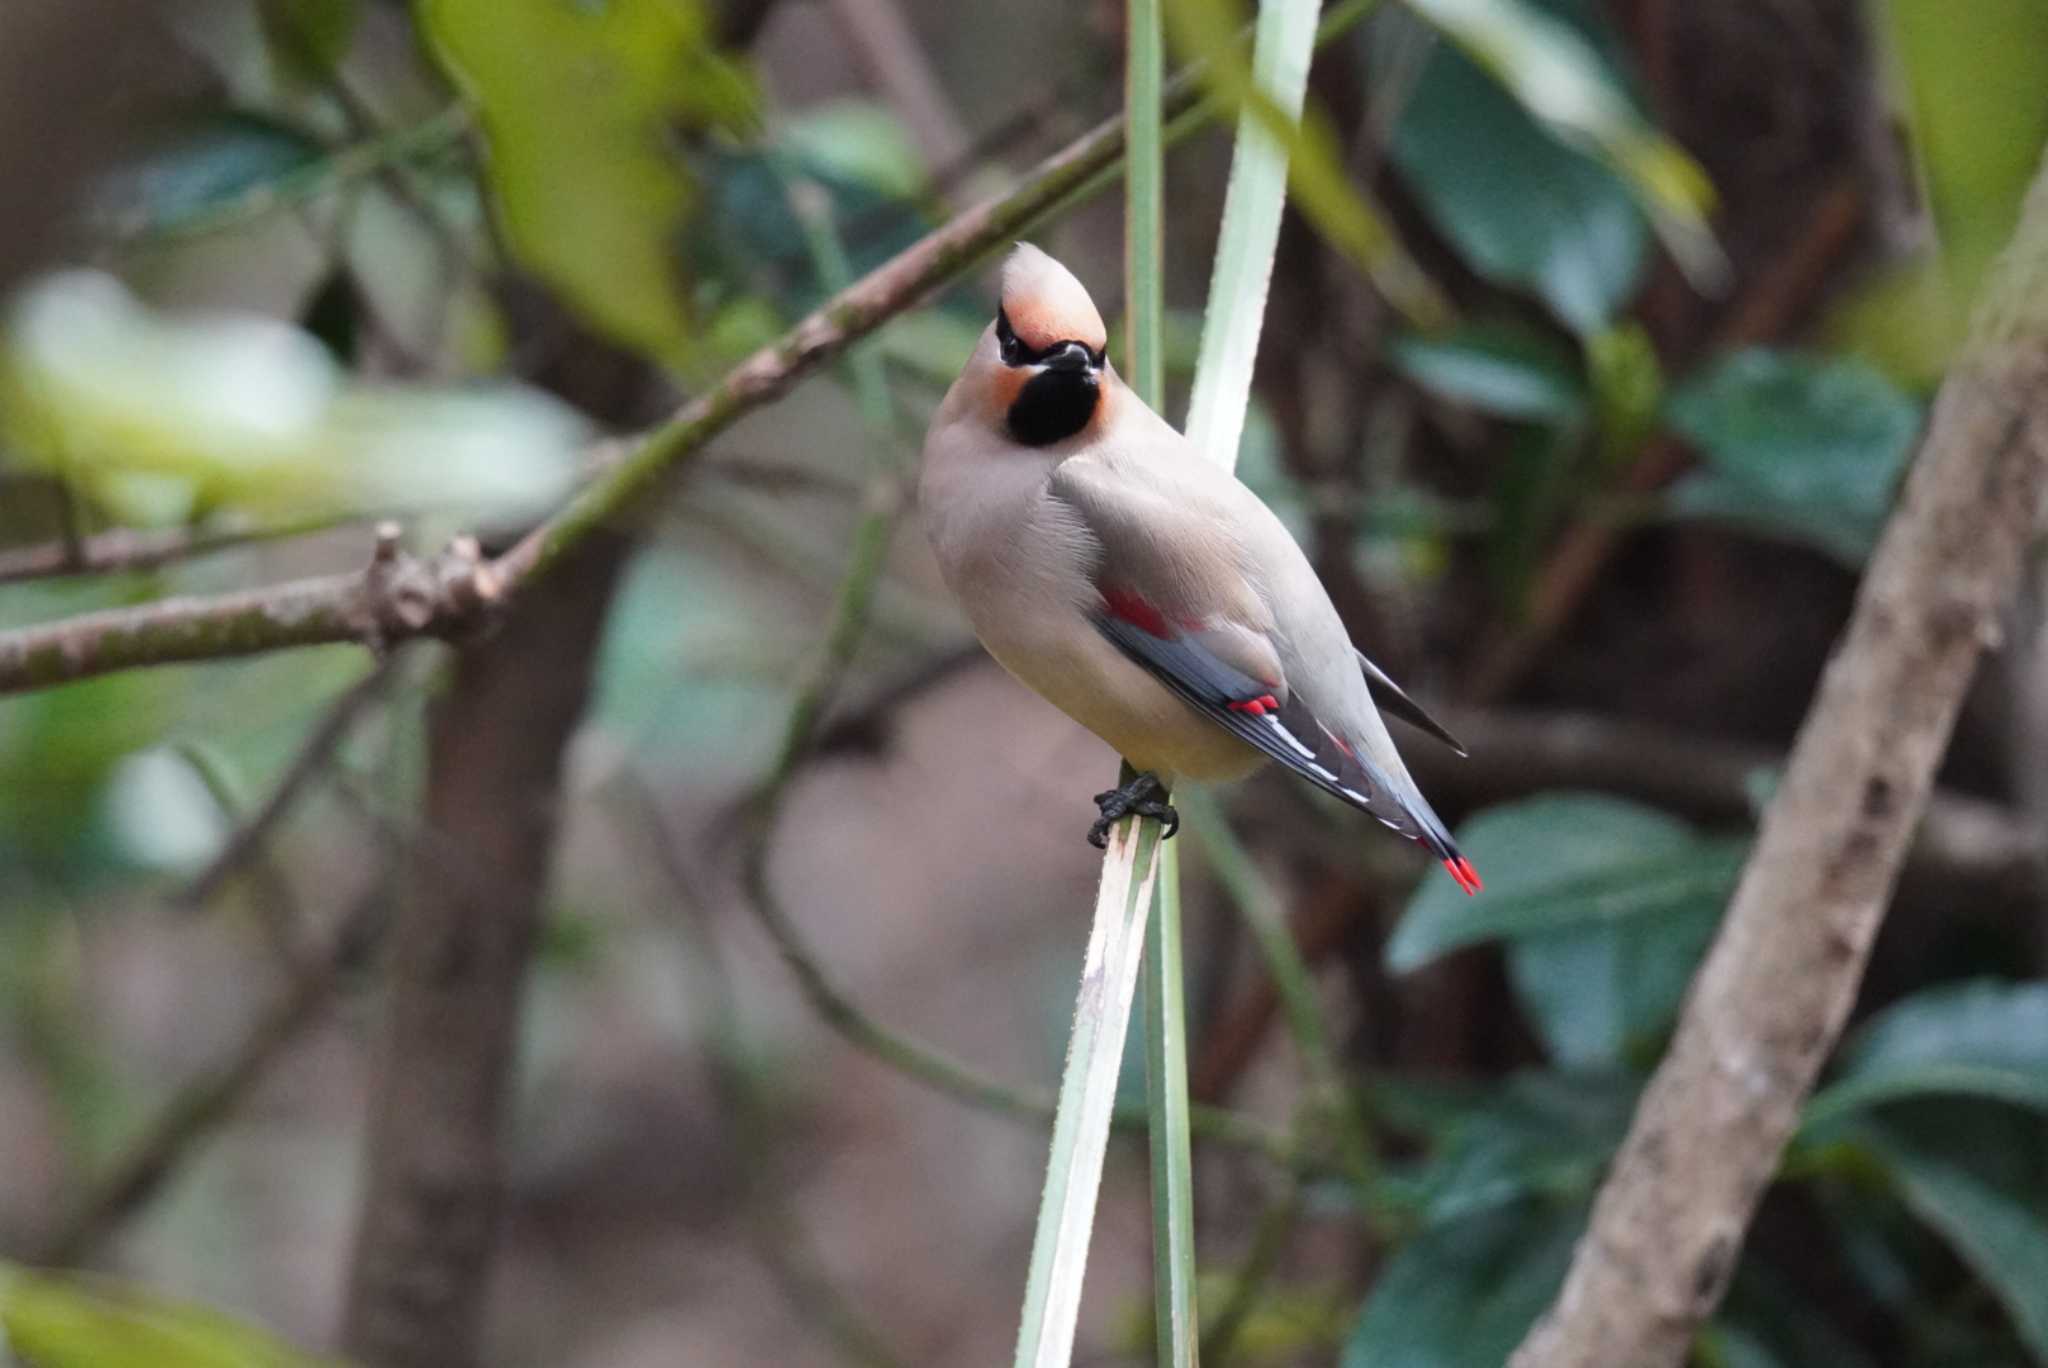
pixel 1053 406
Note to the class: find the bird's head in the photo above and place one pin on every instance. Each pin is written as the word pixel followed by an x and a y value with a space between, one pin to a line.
pixel 1039 371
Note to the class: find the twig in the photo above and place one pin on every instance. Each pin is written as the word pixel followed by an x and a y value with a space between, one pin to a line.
pixel 1774 298
pixel 1768 1004
pixel 131 549
pixel 312 757
pixel 201 1105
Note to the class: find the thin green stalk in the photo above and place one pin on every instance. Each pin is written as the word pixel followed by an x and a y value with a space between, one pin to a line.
pixel 1283 43
pixel 1175 1321
pixel 1080 1128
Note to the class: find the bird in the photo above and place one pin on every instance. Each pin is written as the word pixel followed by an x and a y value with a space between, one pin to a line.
pixel 1142 589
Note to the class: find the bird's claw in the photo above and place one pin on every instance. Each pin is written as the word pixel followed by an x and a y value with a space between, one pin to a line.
pixel 1145 796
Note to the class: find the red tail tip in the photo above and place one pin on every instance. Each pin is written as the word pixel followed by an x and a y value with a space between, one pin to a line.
pixel 1467 877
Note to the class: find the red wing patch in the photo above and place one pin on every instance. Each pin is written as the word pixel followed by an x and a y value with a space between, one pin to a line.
pixel 1257 707
pixel 1131 607
pixel 1467 877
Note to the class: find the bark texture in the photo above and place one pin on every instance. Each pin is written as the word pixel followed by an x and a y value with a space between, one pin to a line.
pixel 1770 1001
pixel 480 867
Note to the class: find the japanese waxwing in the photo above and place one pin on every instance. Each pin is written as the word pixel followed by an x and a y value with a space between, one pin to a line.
pixel 1140 588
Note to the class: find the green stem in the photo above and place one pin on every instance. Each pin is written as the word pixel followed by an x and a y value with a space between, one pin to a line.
pixel 1080 1129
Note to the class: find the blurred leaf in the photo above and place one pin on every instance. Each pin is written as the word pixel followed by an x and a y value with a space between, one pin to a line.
pixel 57 748
pixel 1523 209
pixel 858 143
pixel 1464 1294
pixel 158 418
pixel 1320 186
pixel 1983 1039
pixel 78 1322
pixel 1607 906
pixel 657 693
pixel 1536 1134
pixel 1970 87
pixel 1496 368
pixel 1628 387
pixel 194 169
pixel 1985 1195
pixel 310 37
pixel 1804 447
pixel 1561 79
pixel 580 105
pixel 1529 497
pixel 161 812
pixel 1605 996
pixel 1565 861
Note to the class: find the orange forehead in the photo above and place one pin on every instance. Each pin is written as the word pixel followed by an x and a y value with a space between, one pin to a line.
pixel 1046 304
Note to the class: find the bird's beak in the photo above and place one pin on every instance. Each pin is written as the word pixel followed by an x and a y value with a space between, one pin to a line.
pixel 1068 356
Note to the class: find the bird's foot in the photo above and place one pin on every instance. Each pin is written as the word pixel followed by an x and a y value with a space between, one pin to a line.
pixel 1144 796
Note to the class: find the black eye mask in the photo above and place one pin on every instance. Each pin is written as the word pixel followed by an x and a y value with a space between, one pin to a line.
pixel 1015 353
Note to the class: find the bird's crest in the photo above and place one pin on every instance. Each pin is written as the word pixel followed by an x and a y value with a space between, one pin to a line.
pixel 1046 305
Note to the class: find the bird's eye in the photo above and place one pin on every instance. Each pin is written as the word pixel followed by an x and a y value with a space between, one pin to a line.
pixel 1013 351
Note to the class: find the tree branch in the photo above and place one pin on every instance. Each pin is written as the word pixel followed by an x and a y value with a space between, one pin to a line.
pixel 459 955
pixel 1770 1001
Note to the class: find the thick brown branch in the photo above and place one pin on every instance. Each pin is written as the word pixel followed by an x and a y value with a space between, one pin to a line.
pixel 434 1162
pixel 1770 1001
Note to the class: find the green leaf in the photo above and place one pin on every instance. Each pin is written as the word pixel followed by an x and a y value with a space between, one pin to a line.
pixel 1981 1039
pixel 1969 90
pixel 1524 210
pixel 1559 78
pixel 580 104
pixel 197 168
pixel 1565 861
pixel 77 1322
pixel 1607 906
pixel 1465 1293
pixel 158 418
pixel 1605 996
pixel 1804 447
pixel 1538 1134
pixel 1497 368
pixel 1986 1196
pixel 1628 387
